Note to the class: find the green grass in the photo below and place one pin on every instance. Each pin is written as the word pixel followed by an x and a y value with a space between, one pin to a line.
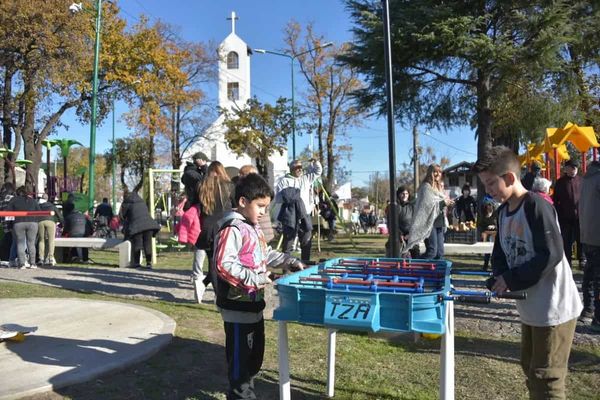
pixel 368 366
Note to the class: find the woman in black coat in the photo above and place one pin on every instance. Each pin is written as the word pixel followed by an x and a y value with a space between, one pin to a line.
pixel 139 228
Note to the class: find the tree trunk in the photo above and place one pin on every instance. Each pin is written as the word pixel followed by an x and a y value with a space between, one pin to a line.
pixel 484 121
pixel 261 167
pixel 176 148
pixel 5 170
pixel 330 159
pixel 28 134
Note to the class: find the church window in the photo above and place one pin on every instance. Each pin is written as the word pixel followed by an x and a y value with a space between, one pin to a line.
pixel 233 90
pixel 233 60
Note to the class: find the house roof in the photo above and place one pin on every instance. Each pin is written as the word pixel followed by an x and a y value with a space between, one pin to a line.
pixel 462 167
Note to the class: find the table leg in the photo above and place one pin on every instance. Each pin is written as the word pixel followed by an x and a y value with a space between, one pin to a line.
pixel 284 364
pixel 447 356
pixel 331 362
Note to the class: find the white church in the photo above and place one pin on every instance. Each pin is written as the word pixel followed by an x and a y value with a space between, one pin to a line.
pixel 234 89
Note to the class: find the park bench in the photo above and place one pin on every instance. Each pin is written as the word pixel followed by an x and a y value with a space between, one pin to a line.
pixel 124 246
pixel 453 249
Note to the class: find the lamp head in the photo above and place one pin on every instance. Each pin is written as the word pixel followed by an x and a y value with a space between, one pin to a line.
pixel 262 51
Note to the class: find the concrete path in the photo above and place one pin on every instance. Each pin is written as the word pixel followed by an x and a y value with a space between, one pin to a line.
pixel 157 284
pixel 76 340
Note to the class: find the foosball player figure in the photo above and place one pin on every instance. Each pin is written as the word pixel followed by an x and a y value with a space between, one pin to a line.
pixel 240 276
pixel 528 255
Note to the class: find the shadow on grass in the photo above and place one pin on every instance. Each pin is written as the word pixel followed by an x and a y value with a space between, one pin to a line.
pixel 185 369
pixel 509 351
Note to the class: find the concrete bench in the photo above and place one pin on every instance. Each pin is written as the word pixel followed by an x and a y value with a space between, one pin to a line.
pixel 124 246
pixel 453 249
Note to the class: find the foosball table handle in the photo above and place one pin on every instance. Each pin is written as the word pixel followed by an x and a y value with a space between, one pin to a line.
pixel 513 296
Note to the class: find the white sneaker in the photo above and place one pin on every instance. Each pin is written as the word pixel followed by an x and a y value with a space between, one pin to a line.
pixel 25 266
pixel 51 261
pixel 32 266
pixel 199 289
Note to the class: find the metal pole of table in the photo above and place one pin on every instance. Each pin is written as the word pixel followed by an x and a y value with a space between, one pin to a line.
pixel 284 363
pixel 331 362
pixel 447 356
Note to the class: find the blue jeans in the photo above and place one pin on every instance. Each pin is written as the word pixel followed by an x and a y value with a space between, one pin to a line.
pixel 435 245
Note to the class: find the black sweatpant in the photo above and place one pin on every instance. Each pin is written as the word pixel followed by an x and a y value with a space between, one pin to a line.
pixel 305 239
pixel 141 241
pixel 245 348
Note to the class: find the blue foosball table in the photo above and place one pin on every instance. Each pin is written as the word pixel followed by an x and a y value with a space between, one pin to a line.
pixel 373 295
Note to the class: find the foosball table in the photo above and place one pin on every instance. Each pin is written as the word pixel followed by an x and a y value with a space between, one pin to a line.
pixel 373 295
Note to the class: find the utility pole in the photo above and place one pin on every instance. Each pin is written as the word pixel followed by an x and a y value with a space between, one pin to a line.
pixel 394 239
pixel 415 159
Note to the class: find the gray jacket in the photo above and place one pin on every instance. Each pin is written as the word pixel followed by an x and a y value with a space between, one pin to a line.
pixel 589 206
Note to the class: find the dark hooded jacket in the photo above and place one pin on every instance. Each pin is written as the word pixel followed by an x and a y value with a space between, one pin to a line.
pixel 566 198
pixel 292 213
pixel 589 206
pixel 23 203
pixel 77 225
pixel 192 177
pixel 136 217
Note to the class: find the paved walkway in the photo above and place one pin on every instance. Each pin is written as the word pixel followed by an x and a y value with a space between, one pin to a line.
pixel 76 340
pixel 167 285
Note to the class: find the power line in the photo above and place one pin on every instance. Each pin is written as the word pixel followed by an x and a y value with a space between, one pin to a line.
pixel 449 145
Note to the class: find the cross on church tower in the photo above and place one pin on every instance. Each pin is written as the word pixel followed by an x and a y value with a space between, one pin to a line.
pixel 232 18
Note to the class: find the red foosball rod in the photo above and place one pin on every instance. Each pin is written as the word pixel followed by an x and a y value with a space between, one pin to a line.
pixel 360 282
pixel 26 213
pixel 404 264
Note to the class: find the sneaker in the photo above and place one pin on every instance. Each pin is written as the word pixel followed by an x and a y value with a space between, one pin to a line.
pixel 32 266
pixel 51 262
pixel 586 316
pixel 199 289
pixel 242 392
pixel 148 266
pixel 13 264
pixel 25 266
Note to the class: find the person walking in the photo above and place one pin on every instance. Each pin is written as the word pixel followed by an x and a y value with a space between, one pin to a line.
pixel 303 181
pixel 193 174
pixel 405 209
pixel 589 215
pixel 566 202
pixel 25 228
pixel 139 228
pixel 429 218
pixel 535 170
pixel 216 198
pixel 103 215
pixel 47 232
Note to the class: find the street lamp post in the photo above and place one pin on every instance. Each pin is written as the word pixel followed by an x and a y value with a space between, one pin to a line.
pixel 292 59
pixel 114 161
pixel 76 7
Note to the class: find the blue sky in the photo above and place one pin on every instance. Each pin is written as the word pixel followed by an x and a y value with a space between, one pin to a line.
pixel 261 24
